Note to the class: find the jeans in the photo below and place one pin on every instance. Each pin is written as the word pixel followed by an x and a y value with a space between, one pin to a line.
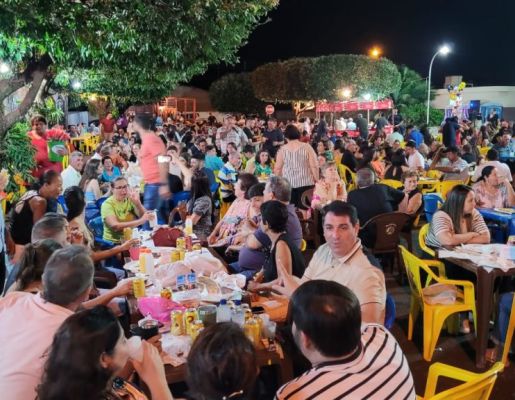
pixel 248 273
pixel 503 317
pixel 152 201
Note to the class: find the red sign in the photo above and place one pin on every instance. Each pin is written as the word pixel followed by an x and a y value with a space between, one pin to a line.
pixel 354 105
pixel 269 109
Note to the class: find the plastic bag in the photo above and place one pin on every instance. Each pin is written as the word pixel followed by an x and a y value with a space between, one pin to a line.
pixel 441 293
pixel 159 308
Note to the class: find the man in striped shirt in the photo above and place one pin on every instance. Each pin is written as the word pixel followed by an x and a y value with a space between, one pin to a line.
pixel 349 360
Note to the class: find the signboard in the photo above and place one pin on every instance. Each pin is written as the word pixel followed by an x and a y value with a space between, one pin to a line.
pixel 269 109
pixel 354 105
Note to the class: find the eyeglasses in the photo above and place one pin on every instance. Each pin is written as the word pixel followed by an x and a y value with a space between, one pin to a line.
pixel 121 187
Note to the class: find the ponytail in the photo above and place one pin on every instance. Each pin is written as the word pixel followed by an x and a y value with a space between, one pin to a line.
pixel 33 261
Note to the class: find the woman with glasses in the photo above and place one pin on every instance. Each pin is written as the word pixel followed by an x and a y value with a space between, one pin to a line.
pixel 122 210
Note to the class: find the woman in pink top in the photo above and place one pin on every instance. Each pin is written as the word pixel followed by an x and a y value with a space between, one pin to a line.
pixel 493 192
pixel 237 214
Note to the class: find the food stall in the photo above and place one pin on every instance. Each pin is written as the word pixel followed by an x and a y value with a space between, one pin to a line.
pixel 354 106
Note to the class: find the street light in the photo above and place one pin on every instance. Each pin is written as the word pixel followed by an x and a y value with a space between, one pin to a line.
pixel 444 50
pixel 375 52
pixel 4 68
pixel 367 96
pixel 346 92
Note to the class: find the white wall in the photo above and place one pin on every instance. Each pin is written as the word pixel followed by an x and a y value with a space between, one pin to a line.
pixel 504 95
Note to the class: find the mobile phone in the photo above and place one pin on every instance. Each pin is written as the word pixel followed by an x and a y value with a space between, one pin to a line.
pixel 163 159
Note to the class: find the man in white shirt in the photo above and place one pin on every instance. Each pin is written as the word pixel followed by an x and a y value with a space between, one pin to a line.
pixel 349 360
pixel 72 174
pixel 454 167
pixel 351 125
pixel 492 158
pixel 415 159
pixel 342 260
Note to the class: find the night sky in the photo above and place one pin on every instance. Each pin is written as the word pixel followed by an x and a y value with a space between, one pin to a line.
pixel 481 34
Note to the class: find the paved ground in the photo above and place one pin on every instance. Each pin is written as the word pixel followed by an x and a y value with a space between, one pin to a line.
pixel 454 350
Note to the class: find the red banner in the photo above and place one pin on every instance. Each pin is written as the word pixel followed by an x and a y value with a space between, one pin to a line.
pixel 354 105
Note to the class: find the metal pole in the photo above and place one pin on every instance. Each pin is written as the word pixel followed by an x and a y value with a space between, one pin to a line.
pixel 429 86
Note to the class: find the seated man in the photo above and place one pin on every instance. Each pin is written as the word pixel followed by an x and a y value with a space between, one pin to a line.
pixel 350 360
pixel 453 166
pixel 30 320
pixel 504 145
pixel 371 199
pixel 122 210
pixel 341 259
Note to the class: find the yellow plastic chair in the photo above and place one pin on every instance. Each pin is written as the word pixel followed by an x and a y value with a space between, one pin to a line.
pixel 509 333
pixel 435 315
pixel 445 187
pixel 391 182
pixel 344 172
pixel 476 386
pixel 434 174
pixel 438 265
pixel 303 245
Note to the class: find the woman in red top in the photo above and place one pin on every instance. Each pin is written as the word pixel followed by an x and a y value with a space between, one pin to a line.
pixel 38 139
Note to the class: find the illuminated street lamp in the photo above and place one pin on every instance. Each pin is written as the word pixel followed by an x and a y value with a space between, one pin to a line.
pixel 375 52
pixel 444 50
pixel 346 93
pixel 367 96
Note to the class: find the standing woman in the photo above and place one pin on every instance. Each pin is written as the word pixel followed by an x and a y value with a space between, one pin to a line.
pixel 200 206
pixel 297 162
pixel 31 208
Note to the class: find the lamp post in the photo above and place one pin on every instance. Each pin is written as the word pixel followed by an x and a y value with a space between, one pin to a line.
pixel 444 50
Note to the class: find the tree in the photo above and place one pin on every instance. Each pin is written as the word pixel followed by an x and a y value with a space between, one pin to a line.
pixel 234 93
pixel 416 114
pixel 306 80
pixel 412 90
pixel 139 49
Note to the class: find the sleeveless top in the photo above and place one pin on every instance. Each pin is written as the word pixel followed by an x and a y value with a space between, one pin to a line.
pixel 296 167
pixel 297 259
pixel 22 222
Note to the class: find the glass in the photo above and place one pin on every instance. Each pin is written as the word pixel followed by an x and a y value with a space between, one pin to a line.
pixel 207 314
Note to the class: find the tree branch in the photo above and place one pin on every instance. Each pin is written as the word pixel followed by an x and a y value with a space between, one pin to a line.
pixel 9 86
pixel 38 77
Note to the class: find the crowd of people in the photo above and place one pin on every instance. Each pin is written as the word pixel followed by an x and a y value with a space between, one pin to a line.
pixel 248 185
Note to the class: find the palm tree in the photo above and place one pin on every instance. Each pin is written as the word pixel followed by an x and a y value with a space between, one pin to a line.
pixel 413 89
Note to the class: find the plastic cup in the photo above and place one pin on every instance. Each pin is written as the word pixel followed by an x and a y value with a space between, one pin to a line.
pixel 134 253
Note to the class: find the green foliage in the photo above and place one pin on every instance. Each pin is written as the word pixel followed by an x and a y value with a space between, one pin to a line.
pixel 234 93
pixel 413 89
pixel 17 156
pixel 416 114
pixel 138 49
pixel 323 78
pixel 50 111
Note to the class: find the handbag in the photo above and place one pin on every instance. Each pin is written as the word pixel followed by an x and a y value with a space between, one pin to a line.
pixel 166 236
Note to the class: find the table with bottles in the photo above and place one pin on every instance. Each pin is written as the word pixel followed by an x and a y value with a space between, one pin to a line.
pixel 189 314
